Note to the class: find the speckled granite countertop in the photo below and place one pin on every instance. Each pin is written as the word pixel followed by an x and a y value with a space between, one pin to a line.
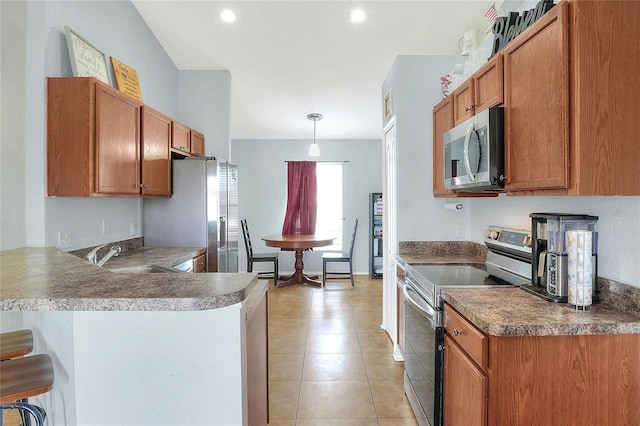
pixel 48 279
pixel 513 312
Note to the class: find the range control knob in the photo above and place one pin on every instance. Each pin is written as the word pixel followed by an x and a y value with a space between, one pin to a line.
pixel 491 234
pixel 527 241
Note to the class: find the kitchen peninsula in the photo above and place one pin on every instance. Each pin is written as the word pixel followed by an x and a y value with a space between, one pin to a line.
pixel 155 348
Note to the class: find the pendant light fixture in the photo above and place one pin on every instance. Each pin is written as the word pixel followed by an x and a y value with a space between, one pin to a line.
pixel 314 149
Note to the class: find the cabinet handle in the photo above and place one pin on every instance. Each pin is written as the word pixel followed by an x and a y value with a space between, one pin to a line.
pixel 456 332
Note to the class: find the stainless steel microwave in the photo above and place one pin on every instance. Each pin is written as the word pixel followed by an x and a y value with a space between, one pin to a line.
pixel 474 153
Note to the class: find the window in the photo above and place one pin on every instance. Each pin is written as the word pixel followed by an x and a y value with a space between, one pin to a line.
pixel 329 217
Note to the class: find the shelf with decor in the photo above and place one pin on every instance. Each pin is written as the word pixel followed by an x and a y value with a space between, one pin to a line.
pixel 375 235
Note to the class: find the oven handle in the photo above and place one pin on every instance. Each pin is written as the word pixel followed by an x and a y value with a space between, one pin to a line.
pixel 419 304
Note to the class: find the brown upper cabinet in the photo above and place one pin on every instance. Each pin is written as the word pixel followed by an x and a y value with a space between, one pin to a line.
pixel 571 122
pixel 185 141
pixel 180 138
pixel 442 122
pixel 156 158
pixel 482 90
pixel 197 144
pixel 93 139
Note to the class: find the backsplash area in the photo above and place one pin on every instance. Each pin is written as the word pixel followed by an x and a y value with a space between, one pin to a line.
pixel 125 245
pixel 619 295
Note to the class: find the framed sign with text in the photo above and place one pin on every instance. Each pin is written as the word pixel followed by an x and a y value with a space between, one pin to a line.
pixel 126 79
pixel 86 60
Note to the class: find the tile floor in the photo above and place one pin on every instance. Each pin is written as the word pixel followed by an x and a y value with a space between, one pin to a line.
pixel 330 363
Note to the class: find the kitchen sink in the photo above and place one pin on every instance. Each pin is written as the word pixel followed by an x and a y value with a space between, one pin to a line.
pixel 143 269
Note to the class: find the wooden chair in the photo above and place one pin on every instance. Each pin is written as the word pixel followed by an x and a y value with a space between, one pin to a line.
pixel 339 257
pixel 258 257
pixel 22 378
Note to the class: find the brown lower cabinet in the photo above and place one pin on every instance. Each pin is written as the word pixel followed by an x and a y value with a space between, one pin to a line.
pixel 200 264
pixel 539 380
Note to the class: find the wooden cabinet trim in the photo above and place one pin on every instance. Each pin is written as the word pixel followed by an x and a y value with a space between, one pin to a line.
pixel 197 144
pixel 463 101
pixel 489 84
pixel 469 337
pixel 155 170
pixel 180 138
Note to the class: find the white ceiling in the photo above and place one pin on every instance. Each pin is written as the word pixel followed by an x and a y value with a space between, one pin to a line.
pixel 290 58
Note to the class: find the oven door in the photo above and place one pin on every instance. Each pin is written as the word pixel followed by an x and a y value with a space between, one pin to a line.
pixel 423 357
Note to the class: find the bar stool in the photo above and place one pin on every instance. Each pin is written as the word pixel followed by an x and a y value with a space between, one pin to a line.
pixel 15 343
pixel 22 378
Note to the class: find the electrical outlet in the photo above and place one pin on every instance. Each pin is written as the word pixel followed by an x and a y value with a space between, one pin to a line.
pixel 64 239
pixel 132 228
pixel 106 226
pixel 459 230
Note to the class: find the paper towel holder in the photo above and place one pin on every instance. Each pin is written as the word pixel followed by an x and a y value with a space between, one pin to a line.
pixel 453 206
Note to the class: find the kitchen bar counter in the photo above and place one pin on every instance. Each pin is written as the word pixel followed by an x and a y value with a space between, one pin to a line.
pixel 513 312
pixel 48 279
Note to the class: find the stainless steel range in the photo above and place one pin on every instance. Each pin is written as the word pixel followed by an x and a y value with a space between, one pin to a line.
pixel 508 263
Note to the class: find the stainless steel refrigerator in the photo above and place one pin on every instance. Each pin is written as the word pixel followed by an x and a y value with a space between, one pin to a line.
pixel 201 212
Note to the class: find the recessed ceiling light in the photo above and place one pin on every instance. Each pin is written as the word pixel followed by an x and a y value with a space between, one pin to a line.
pixel 357 16
pixel 227 16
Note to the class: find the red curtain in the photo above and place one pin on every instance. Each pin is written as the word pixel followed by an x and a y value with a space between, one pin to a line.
pixel 301 198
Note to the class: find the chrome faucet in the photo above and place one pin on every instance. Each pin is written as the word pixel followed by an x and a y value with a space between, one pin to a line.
pixel 92 256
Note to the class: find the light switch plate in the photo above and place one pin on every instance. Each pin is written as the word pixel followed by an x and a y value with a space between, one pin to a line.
pixel 106 226
pixel 459 230
pixel 64 239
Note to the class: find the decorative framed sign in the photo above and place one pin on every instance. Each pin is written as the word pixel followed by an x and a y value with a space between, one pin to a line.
pixel 388 104
pixel 86 60
pixel 126 79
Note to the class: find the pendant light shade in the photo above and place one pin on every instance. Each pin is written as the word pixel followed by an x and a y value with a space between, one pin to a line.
pixel 314 149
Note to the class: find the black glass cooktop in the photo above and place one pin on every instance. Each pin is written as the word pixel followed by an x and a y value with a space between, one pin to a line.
pixel 457 275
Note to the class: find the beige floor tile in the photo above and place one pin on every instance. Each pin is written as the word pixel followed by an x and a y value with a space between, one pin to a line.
pixel 367 310
pixel 375 343
pixel 334 367
pixel 285 367
pixel 283 343
pixel 367 323
pixel 390 400
pixel 333 325
pixel 283 400
pixel 288 325
pixel 332 343
pixel 396 421
pixel 282 422
pixel 289 310
pixel 383 367
pixel 334 300
pixel 337 422
pixel 372 301
pixel 330 312
pixel 335 400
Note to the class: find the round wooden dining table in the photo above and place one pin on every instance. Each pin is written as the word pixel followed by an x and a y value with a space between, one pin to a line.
pixel 299 243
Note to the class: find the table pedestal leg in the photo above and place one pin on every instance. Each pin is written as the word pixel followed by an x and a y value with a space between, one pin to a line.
pixel 299 277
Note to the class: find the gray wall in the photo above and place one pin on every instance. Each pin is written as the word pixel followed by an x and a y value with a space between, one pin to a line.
pixel 263 191
pixel 205 105
pixel 34 47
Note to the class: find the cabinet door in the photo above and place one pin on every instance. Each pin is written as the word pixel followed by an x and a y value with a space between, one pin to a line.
pixel 197 144
pixel 180 137
pixel 488 84
pixel 463 98
pixel 465 388
pixel 200 264
pixel 442 122
pixel 537 106
pixel 156 160
pixel 117 142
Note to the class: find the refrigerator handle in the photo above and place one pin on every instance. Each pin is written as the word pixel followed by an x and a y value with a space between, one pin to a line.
pixel 223 231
